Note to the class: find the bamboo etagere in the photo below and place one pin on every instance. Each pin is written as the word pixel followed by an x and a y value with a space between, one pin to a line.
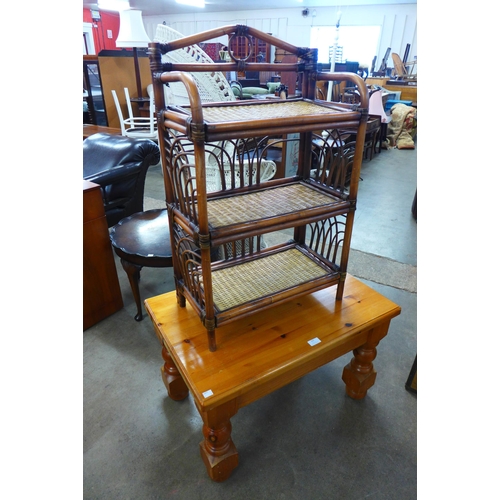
pixel 222 265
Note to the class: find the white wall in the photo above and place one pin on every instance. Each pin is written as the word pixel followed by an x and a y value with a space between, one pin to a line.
pixel 398 22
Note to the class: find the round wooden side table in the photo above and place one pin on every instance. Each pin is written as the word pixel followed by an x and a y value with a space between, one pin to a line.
pixel 142 240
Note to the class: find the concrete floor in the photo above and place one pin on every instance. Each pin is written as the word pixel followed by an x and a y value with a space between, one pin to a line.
pixel 307 440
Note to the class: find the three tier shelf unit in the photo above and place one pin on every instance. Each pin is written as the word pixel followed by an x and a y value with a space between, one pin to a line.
pixel 222 264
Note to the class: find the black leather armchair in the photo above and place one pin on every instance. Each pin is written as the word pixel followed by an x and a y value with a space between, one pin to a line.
pixel 119 165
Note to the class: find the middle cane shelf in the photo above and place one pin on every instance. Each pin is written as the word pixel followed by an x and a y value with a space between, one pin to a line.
pixel 222 265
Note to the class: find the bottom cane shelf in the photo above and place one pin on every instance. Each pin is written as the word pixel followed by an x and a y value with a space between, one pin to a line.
pixel 246 285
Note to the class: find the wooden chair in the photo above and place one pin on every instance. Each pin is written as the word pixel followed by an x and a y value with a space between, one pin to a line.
pixel 400 70
pixel 372 136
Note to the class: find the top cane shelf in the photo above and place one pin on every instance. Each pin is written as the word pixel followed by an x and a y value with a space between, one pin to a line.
pixel 243 118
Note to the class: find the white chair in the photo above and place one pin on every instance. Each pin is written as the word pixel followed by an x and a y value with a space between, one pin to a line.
pixel 214 183
pixel 212 87
pixel 136 126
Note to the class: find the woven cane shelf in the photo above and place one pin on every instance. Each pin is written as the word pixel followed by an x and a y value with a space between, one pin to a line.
pixel 264 281
pixel 280 206
pixel 222 204
pixel 231 119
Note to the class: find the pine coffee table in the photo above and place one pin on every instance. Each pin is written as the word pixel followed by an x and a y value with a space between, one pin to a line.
pixel 263 352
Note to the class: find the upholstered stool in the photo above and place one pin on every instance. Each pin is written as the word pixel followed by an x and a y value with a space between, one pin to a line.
pixel 142 240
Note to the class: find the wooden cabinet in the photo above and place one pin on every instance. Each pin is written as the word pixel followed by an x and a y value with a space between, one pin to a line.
pixel 222 264
pixel 408 91
pixel 101 289
pixel 117 72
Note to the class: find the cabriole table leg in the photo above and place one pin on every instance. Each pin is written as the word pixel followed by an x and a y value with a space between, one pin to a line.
pixel 133 272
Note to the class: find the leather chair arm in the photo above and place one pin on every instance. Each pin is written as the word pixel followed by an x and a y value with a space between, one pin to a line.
pixel 102 152
pixel 116 174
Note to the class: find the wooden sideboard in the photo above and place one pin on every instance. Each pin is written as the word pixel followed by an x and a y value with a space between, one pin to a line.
pixel 408 92
pixel 101 289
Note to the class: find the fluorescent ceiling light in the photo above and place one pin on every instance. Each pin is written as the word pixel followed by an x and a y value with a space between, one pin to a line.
pixel 192 3
pixel 117 5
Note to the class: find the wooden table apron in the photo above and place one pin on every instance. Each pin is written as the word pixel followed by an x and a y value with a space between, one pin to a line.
pixel 89 130
pixel 261 353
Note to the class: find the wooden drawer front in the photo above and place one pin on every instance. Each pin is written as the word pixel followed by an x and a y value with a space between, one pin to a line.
pixel 93 207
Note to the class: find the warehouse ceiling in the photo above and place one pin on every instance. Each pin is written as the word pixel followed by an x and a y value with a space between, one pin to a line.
pixel 165 7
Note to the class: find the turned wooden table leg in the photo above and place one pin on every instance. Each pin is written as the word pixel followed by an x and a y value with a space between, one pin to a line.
pixel 218 450
pixel 359 375
pixel 176 387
